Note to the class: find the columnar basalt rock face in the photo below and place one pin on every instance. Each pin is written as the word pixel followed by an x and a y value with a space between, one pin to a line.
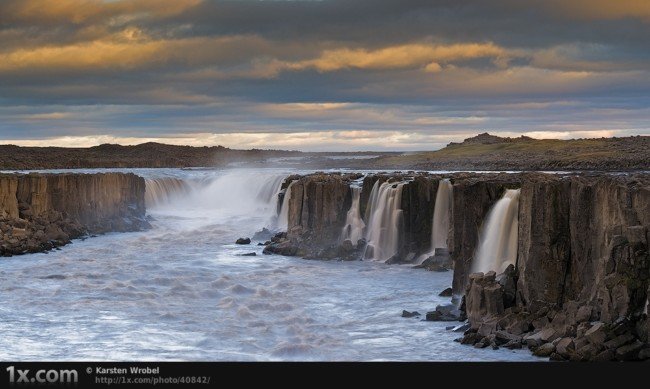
pixel 583 269
pixel 418 200
pixel 318 204
pixel 42 211
pixel 581 283
pixel 8 200
pixel 544 246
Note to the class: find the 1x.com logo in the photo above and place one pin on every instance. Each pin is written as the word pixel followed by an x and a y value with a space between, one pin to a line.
pixel 17 376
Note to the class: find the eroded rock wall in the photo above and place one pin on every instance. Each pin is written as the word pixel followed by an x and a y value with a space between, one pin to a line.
pixel 42 211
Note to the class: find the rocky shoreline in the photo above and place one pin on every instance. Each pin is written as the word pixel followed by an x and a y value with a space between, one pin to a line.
pixel 40 212
pixel 578 289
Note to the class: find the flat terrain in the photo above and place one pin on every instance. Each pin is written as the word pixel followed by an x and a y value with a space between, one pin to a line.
pixel 482 152
pixel 488 152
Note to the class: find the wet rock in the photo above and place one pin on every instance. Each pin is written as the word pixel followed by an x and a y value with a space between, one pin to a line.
pixel 460 328
pixel 243 241
pixel 513 345
pixel 604 356
pixel 471 338
pixel 503 337
pixel 544 350
pixel 284 248
pixel 629 352
pixel 439 262
pixel 248 255
pixel 446 293
pixel 619 341
pixel 444 313
pixel 596 334
pixel 565 347
pixel 410 314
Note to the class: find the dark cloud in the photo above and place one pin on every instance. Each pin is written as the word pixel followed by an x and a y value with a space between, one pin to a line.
pixel 159 68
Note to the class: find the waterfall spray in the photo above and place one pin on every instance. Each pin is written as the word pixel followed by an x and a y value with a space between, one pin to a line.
pixel 498 239
pixel 354 224
pixel 385 221
pixel 159 191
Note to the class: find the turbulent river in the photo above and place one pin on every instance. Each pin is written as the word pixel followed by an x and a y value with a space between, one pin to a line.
pixel 182 291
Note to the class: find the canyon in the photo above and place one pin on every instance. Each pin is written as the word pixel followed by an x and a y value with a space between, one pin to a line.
pixel 557 263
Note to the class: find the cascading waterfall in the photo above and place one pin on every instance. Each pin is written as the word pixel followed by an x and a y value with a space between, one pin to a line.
pixel 498 239
pixel 384 221
pixel 441 215
pixel 235 197
pixel 441 220
pixel 240 193
pixel 159 191
pixel 283 217
pixel 354 224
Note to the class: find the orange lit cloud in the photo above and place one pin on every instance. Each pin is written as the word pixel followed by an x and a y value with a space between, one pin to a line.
pixel 602 9
pixel 81 11
pixel 402 56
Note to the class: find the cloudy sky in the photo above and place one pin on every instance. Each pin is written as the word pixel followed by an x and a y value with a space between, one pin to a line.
pixel 321 75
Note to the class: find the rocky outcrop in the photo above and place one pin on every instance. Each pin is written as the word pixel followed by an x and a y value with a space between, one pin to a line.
pixel 318 205
pixel 582 273
pixel 41 211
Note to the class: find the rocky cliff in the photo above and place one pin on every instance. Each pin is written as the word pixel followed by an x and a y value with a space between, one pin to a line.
pixel 579 287
pixel 581 277
pixel 41 211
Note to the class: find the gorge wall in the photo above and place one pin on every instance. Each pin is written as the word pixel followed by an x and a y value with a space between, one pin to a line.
pixel 579 286
pixel 39 212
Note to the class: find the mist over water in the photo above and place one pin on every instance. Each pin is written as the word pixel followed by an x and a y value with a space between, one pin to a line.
pixel 181 291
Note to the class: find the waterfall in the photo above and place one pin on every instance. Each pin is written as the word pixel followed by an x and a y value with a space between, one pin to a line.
pixel 384 221
pixel 498 239
pixel 159 191
pixel 354 224
pixel 283 217
pixel 441 215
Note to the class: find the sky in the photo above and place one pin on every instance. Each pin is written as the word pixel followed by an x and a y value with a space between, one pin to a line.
pixel 321 75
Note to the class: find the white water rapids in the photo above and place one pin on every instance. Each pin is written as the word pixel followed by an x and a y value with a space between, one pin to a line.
pixel 181 291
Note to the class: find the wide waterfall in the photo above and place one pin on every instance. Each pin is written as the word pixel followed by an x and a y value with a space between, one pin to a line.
pixel 283 217
pixel 384 221
pixel 498 239
pixel 159 191
pixel 206 198
pixel 441 215
pixel 354 224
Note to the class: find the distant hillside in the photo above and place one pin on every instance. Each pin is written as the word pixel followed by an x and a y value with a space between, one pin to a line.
pixel 146 155
pixel 489 152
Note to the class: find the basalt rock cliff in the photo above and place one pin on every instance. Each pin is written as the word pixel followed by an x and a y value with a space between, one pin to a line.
pixel 579 287
pixel 39 212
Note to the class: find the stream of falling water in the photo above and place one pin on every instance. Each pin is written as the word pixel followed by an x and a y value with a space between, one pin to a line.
pixel 182 291
pixel 498 240
pixel 354 224
pixel 384 221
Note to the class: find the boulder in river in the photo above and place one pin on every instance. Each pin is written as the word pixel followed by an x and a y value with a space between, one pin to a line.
pixel 243 241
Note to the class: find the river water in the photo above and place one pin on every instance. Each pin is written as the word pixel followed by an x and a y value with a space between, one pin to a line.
pixel 182 291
